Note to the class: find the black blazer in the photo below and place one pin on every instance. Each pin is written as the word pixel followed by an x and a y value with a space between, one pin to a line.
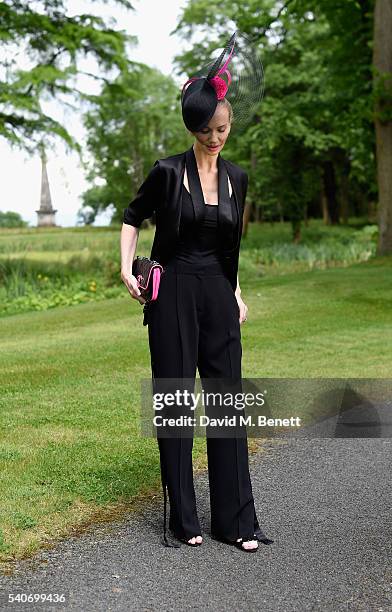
pixel 161 193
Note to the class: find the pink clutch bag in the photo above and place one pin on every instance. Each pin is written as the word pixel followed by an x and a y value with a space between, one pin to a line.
pixel 148 275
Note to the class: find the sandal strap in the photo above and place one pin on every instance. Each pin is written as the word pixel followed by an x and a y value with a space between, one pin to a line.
pixel 249 538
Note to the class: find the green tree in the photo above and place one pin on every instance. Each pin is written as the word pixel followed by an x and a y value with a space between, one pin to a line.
pixel 11 219
pixel 382 59
pixel 312 139
pixel 52 43
pixel 134 121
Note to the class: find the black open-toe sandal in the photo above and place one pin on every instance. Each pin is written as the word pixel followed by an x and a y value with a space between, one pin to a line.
pixel 184 541
pixel 249 539
pixel 258 536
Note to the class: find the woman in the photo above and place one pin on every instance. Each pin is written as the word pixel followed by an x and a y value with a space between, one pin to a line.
pixel 198 199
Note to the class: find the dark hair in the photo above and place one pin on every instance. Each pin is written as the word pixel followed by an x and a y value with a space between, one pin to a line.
pixel 229 107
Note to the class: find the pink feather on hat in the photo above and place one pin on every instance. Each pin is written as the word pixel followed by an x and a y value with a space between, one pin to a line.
pixel 220 87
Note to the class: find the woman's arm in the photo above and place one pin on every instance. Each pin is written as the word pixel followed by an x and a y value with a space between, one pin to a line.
pixel 238 289
pixel 128 239
pixel 142 207
pixel 243 309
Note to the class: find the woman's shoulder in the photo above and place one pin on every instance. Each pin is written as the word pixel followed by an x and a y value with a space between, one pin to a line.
pixel 171 161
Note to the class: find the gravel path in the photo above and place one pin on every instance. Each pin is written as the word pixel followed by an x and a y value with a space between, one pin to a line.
pixel 326 503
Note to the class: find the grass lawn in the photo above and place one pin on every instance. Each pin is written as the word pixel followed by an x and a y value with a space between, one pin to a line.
pixel 70 449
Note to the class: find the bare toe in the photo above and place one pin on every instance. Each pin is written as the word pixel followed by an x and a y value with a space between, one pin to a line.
pixel 250 545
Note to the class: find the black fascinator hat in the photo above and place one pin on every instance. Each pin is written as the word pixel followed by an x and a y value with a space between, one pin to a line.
pixel 236 73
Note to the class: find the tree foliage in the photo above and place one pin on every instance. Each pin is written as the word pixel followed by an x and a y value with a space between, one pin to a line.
pixel 134 121
pixel 41 46
pixel 315 124
pixel 11 219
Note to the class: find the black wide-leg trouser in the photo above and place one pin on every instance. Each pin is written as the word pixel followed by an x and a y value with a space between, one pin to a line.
pixel 195 323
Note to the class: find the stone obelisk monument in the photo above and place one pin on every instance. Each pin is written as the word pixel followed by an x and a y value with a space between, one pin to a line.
pixel 45 213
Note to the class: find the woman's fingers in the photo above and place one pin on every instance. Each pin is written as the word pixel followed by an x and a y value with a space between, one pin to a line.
pixel 131 283
pixel 243 312
pixel 242 307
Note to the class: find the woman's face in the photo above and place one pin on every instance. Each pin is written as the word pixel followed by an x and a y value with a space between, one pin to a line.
pixel 213 137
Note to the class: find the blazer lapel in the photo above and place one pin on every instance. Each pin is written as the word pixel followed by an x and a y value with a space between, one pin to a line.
pixel 195 185
pixel 225 215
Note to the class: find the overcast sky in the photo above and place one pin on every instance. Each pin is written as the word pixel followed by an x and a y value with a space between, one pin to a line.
pixel 151 22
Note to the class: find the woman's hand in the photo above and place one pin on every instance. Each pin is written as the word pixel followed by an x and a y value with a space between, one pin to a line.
pixel 131 284
pixel 242 307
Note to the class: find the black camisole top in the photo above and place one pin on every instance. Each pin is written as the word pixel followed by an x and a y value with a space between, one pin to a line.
pixel 199 244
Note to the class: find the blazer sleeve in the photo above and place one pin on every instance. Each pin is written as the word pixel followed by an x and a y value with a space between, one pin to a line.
pixel 147 198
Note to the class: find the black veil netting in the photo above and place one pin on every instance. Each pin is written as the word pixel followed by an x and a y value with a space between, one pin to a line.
pixel 235 72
